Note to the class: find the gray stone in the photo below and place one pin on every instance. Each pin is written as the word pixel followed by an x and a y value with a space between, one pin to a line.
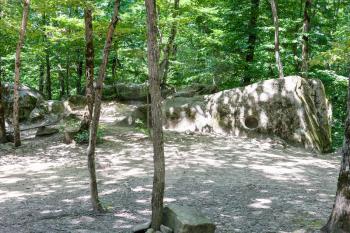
pixel 141 228
pixel 165 229
pixel 45 131
pixel 150 231
pixel 186 220
pixel 77 101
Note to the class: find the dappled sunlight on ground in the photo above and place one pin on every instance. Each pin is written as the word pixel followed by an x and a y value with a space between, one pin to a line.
pixel 244 185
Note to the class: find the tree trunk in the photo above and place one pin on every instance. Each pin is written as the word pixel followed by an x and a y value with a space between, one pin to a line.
pixel 62 86
pixel 114 67
pixel 339 221
pixel 48 76
pixel 41 78
pixel 89 66
pixel 305 46
pixel 277 45
pixel 16 130
pixel 157 130
pixel 169 48
pixel 67 75
pixel 79 75
pixel 97 109
pixel 254 14
pixel 2 111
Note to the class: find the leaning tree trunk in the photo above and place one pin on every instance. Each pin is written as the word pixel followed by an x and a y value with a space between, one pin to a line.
pixel 252 30
pixel 277 43
pixel 157 130
pixel 89 66
pixel 169 48
pixel 2 113
pixel 305 46
pixel 339 221
pixel 97 109
pixel 16 130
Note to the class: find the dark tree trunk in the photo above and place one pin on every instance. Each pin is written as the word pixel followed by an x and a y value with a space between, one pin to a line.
pixel 16 130
pixel 89 66
pixel 252 30
pixel 157 130
pixel 114 67
pixel 62 86
pixel 277 43
pixel 97 110
pixel 305 46
pixel 41 78
pixel 339 221
pixel 79 76
pixel 67 76
pixel 2 111
pixel 48 75
pixel 169 48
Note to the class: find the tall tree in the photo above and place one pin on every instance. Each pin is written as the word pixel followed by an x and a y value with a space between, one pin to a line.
pixel 41 78
pixel 2 110
pixel 89 66
pixel 79 75
pixel 305 45
pixel 97 110
pixel 339 221
pixel 16 130
pixel 157 126
pixel 252 36
pixel 277 43
pixel 169 48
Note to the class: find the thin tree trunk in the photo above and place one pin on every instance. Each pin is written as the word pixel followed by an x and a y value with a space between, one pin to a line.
pixel 305 46
pixel 254 14
pixel 97 109
pixel 2 110
pixel 339 221
pixel 48 75
pixel 157 130
pixel 16 130
pixel 79 76
pixel 114 67
pixel 277 45
pixel 62 86
pixel 41 78
pixel 169 48
pixel 89 66
pixel 67 75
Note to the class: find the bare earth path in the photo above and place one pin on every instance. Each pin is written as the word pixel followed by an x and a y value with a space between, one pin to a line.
pixel 243 185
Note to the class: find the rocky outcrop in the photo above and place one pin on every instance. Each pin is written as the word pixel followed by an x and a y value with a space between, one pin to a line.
pixel 125 92
pixel 28 100
pixel 292 108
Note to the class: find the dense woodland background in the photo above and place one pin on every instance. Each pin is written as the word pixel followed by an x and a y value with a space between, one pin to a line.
pixel 226 43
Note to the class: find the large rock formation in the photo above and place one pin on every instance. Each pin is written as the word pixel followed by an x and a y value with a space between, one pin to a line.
pixel 28 100
pixel 292 108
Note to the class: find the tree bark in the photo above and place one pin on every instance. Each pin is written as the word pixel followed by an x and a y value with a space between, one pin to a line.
pixel 339 221
pixel 67 75
pixel 79 76
pixel 305 45
pixel 157 130
pixel 16 130
pixel 48 75
pixel 89 66
pixel 62 85
pixel 169 48
pixel 254 14
pixel 2 111
pixel 97 109
pixel 277 45
pixel 41 78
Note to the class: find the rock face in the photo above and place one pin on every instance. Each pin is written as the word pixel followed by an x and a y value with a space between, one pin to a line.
pixel 292 108
pixel 28 100
pixel 186 220
pixel 125 92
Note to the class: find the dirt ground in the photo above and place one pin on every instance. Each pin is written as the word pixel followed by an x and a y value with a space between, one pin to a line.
pixel 243 185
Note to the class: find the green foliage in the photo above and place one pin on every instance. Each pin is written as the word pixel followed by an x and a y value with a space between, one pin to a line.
pixel 140 126
pixel 83 137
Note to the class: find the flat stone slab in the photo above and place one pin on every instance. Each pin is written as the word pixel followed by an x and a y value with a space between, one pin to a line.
pixel 46 131
pixel 183 219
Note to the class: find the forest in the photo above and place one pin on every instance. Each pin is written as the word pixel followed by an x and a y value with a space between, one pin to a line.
pixel 184 116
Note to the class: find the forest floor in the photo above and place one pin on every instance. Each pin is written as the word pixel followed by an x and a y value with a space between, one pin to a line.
pixel 243 185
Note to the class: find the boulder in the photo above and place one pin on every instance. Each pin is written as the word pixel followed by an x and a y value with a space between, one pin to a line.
pixel 28 100
pixel 292 108
pixel 196 89
pixel 73 125
pixel 77 101
pixel 184 219
pixel 45 131
pixel 125 92
pixel 141 228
